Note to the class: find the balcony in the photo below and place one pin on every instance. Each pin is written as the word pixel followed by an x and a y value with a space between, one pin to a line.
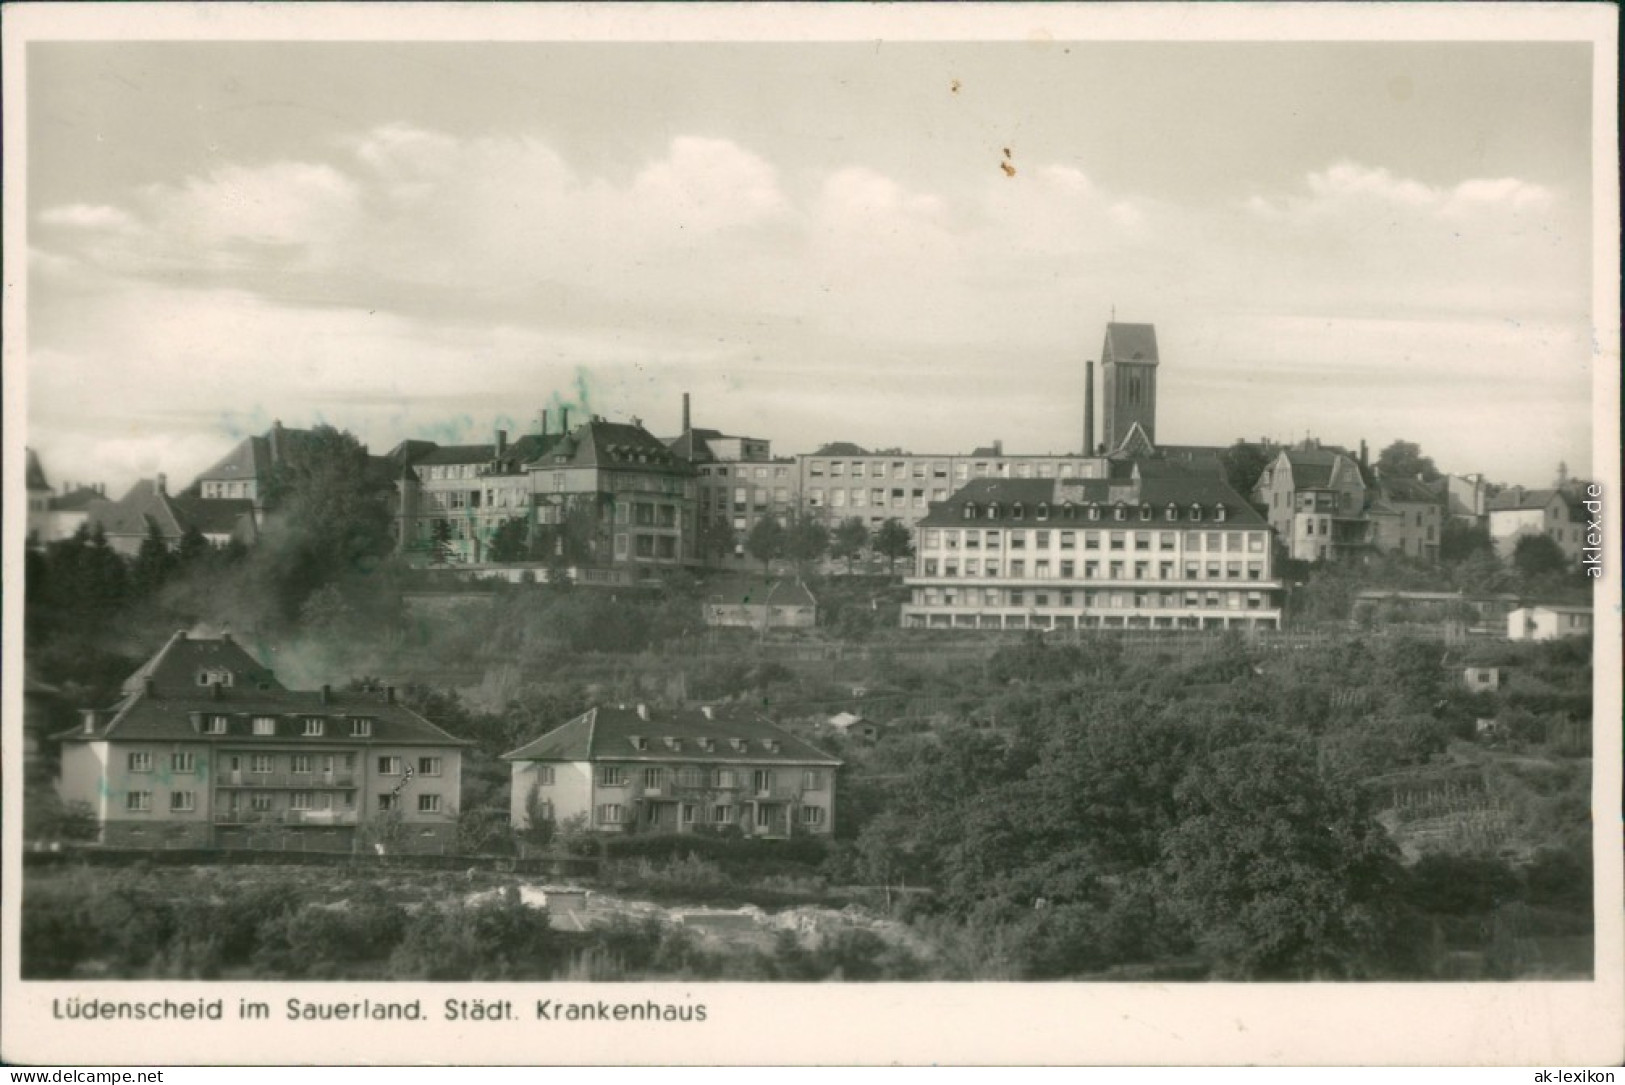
pixel 272 818
pixel 297 781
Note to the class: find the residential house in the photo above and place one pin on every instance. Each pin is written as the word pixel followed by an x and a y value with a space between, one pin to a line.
pixel 205 748
pixel 851 725
pixel 39 498
pixel 1160 546
pixel 1481 679
pixel 1466 498
pixel 675 770
pixel 1407 518
pixel 754 603
pixel 1315 499
pixel 148 506
pixel 1549 621
pixel 1516 512
pixel 739 483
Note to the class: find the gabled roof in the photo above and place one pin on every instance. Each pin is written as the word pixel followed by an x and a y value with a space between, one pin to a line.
pixel 458 454
pixel 609 734
pixel 36 472
pixel 605 444
pixel 218 516
pixel 78 499
pixel 752 591
pixel 1130 343
pixel 1408 491
pixel 166 710
pixel 1136 442
pixel 134 513
pixel 249 459
pixel 1152 484
pixel 1519 498
pixel 695 445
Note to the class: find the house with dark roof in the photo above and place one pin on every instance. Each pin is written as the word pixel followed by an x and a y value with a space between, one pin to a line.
pixel 206 748
pixel 149 506
pixel 1515 513
pixel 1315 499
pixel 1158 545
pixel 1407 517
pixel 756 603
pixel 626 768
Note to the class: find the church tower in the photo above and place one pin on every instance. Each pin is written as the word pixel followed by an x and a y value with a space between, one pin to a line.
pixel 1128 364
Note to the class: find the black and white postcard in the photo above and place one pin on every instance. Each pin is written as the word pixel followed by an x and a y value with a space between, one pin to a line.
pixel 711 534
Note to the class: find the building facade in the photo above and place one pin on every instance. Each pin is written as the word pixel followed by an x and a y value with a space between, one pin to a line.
pixel 1548 622
pixel 1407 518
pixel 843 481
pixel 626 769
pixel 1516 513
pixel 207 749
pixel 1315 500
pixel 738 484
pixel 1162 548
pixel 745 603
pixel 1128 367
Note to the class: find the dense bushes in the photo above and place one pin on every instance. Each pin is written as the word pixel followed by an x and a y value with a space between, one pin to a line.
pixel 732 852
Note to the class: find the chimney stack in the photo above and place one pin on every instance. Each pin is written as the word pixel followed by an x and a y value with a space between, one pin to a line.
pixel 163 483
pixel 998 447
pixel 276 441
pixel 502 442
pixel 542 416
pixel 148 686
pixel 685 414
pixel 1089 407
pixel 1365 456
pixel 327 694
pixel 564 420
pixel 389 694
pixel 88 715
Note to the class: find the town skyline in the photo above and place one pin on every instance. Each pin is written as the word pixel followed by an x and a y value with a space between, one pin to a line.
pixel 905 246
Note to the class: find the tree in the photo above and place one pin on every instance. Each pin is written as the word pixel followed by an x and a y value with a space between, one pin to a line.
pixel 439 541
pixel 193 548
pixel 1404 459
pixel 893 542
pixel 766 542
pixel 1281 871
pixel 510 541
pixel 1537 555
pixel 1243 464
pixel 717 538
pixel 153 564
pixel 850 539
pixel 1460 540
pixel 805 542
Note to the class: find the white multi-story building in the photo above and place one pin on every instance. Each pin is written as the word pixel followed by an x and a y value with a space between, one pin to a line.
pixel 1164 547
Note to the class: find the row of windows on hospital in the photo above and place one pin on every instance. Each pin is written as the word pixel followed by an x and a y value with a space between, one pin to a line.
pixel 614 813
pixel 1213 542
pixel 182 761
pixel 1018 597
pixel 1122 511
pixel 302 726
pixel 183 802
pixel 1044 569
pixel 758 471
pixel 963 471
pixel 218 490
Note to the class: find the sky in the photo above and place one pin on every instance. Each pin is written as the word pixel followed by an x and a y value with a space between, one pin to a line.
pixel 910 245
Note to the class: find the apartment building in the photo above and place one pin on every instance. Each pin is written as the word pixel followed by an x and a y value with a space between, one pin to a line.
pixel 1517 512
pixel 843 480
pixel 635 768
pixel 205 748
pixel 1407 517
pixel 1162 546
pixel 738 484
pixel 1315 500
pixel 601 495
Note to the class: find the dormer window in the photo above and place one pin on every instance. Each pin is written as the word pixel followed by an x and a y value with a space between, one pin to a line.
pixel 1043 510
pixel 771 744
pixel 1196 512
pixel 1218 513
pixel 1145 512
pixel 739 744
pixel 265 725
pixel 993 511
pixel 1094 512
pixel 214 725
pixel 1018 511
pixel 639 742
pixel 361 728
pixel 314 727
pixel 970 510
pixel 1119 512
pixel 708 744
pixel 673 742
pixel 214 676
pixel 1171 512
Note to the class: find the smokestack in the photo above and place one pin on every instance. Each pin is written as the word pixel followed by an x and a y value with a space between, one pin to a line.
pixel 685 414
pixel 564 420
pixel 502 442
pixel 998 447
pixel 276 441
pixel 1365 458
pixel 1089 407
pixel 163 483
pixel 542 414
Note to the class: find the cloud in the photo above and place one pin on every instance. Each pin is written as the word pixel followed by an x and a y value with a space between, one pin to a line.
pixel 87 217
